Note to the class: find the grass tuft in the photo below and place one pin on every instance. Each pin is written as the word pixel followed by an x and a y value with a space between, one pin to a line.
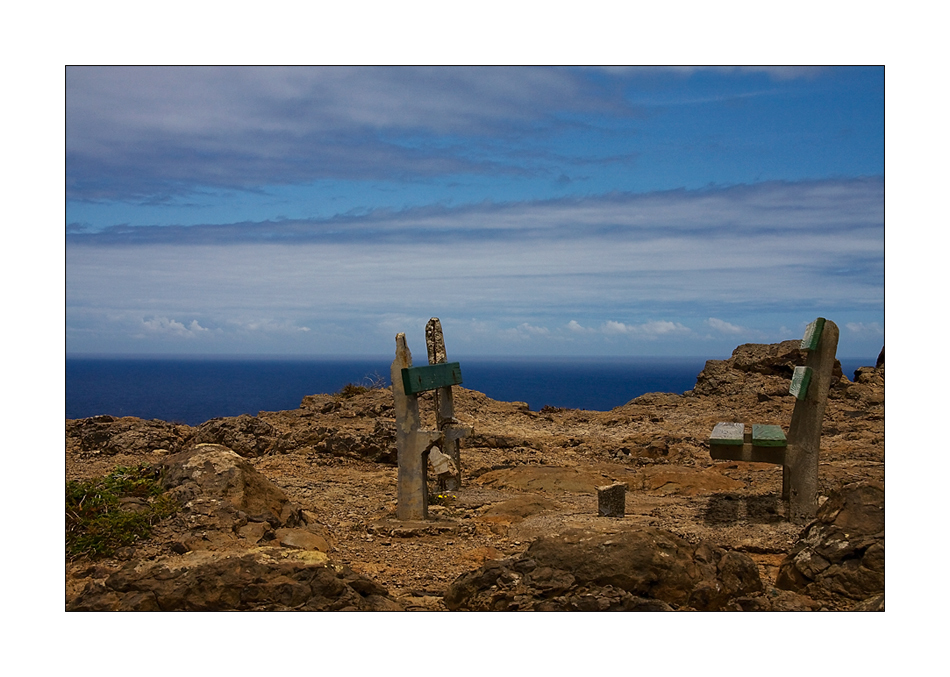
pixel 96 522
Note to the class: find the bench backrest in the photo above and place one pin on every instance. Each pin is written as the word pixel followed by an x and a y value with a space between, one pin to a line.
pixel 417 380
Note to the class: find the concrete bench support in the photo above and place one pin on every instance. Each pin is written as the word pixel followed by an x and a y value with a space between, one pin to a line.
pixel 800 483
pixel 412 443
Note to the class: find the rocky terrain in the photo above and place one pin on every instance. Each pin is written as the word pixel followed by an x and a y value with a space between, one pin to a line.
pixel 296 509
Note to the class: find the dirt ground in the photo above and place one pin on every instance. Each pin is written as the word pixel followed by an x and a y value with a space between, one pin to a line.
pixel 525 474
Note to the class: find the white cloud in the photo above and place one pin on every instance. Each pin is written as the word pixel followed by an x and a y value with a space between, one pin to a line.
pixel 724 327
pixel 653 328
pixel 529 329
pixel 163 325
pixel 575 327
pixel 267 325
pixel 865 328
pixel 525 331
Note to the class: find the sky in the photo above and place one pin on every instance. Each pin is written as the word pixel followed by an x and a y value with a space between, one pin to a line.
pixel 536 211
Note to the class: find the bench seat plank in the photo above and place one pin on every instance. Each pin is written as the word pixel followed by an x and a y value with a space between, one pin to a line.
pixel 728 434
pixel 767 436
pixel 417 380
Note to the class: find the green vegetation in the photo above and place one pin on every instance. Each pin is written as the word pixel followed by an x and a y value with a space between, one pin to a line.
pixel 97 523
pixel 372 382
pixel 352 390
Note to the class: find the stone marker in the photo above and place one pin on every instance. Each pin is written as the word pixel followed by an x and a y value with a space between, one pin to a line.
pixel 612 499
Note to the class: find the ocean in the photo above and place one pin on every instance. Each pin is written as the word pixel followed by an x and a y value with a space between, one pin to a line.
pixel 194 390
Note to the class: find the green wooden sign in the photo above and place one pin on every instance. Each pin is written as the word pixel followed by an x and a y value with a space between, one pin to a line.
pixel 420 379
pixel 801 378
pixel 813 334
pixel 767 436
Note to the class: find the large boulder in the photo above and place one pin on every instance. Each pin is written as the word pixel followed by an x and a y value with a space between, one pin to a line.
pixel 260 579
pixel 127 435
pixel 215 475
pixel 583 569
pixel 841 553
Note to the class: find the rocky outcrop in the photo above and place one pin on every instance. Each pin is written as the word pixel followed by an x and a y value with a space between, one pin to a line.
pixel 229 510
pixel 764 369
pixel 841 553
pixel 127 435
pixel 869 383
pixel 581 569
pixel 261 579
pixel 377 445
pixel 247 435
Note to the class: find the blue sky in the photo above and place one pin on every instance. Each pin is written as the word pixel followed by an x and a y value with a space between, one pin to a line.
pixel 536 211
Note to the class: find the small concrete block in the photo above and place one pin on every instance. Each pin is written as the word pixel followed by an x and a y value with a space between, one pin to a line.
pixel 612 500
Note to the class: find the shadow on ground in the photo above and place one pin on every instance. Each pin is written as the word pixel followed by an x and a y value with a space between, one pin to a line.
pixel 731 507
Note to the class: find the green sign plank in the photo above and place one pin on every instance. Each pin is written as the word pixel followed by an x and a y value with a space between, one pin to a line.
pixel 813 334
pixel 801 378
pixel 767 436
pixel 420 379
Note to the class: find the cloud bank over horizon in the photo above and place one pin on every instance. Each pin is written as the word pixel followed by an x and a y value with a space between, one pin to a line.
pixel 535 211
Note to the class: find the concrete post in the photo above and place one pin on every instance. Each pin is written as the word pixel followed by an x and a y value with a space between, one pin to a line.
pixel 445 408
pixel 800 476
pixel 412 443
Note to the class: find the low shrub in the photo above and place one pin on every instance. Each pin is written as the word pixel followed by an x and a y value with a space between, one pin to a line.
pixel 97 524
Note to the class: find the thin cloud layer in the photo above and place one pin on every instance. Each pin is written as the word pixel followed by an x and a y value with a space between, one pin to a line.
pixel 631 268
pixel 150 133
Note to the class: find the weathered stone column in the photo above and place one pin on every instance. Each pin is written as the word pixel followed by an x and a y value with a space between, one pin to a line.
pixel 800 477
pixel 445 407
pixel 412 443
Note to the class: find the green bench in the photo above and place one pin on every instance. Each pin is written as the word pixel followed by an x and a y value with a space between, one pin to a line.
pixel 798 453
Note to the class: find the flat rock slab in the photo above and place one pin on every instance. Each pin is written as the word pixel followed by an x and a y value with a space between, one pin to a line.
pixel 302 539
pixel 519 508
pixel 668 480
pixel 550 479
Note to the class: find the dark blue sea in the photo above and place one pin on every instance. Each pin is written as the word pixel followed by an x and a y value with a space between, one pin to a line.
pixel 194 390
